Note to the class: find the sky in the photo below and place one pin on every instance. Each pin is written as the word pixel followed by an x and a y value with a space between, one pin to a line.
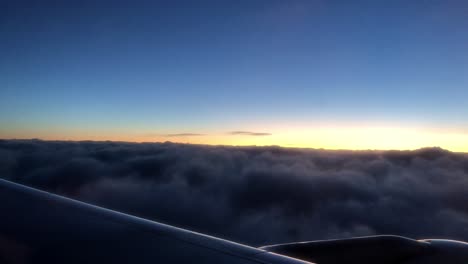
pixel 318 74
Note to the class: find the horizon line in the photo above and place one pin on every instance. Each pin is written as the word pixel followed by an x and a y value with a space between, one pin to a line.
pixel 232 145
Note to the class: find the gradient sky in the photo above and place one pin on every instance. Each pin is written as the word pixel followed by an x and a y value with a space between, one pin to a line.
pixel 323 74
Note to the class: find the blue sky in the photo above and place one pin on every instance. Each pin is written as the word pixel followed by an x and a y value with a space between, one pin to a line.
pixel 160 67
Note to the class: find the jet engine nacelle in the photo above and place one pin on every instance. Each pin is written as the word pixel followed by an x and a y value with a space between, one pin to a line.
pixel 377 249
pixel 442 251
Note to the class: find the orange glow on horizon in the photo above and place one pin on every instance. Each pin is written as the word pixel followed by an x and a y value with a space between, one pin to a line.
pixel 326 137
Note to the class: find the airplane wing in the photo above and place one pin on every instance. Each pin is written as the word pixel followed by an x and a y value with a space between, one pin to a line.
pixel 39 227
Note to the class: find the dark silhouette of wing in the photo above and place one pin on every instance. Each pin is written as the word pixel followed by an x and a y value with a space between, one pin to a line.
pixel 39 227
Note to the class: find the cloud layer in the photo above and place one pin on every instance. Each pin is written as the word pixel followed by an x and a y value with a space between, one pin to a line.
pixel 249 133
pixel 256 195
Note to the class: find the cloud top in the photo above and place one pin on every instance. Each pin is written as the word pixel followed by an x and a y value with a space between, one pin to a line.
pixel 256 195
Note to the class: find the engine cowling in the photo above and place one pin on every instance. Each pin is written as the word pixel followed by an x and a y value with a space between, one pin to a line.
pixel 443 251
pixel 377 249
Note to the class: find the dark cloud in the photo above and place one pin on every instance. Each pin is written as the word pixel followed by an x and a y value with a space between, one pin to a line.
pixel 183 135
pixel 248 133
pixel 256 195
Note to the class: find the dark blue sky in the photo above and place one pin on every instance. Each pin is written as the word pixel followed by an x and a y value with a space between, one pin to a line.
pixel 210 66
